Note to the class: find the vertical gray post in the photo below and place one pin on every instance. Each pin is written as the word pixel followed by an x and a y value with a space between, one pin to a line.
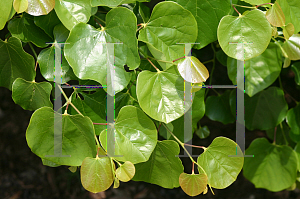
pixel 57 103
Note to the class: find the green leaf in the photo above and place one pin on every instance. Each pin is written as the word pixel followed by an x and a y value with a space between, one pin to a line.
pixel 275 15
pixel 6 9
pixel 163 167
pixel 297 150
pixel 292 47
pixel 125 172
pixel 221 169
pixel 269 103
pixel 282 134
pixel 257 2
pixel 40 7
pixel 291 9
pixel 193 184
pixel 135 135
pixel 218 108
pixel 293 118
pixel 192 70
pixel 208 15
pixel 296 70
pixel 142 13
pixel 164 132
pixel 123 99
pixel 93 106
pixel 273 167
pixel 161 94
pixel 116 183
pixel 96 174
pixel 14 63
pixel 49 163
pixel 60 33
pixel 108 3
pixel 288 31
pixel 20 5
pixel 47 22
pixel 72 12
pixel 87 44
pixel 77 137
pixel 169 25
pixel 73 169
pixel 203 132
pixel 251 27
pixel 47 63
pixel 260 71
pixel 24 29
pixel 31 95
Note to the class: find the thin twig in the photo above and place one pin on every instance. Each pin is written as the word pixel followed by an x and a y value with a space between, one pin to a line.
pixel 274 141
pixel 98 23
pixel 153 64
pixel 36 63
pixel 263 4
pixel 99 19
pixel 236 10
pixel 178 59
pixel 100 123
pixel 202 147
pixel 244 6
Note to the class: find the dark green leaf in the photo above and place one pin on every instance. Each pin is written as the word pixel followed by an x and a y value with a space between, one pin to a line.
pixel 47 22
pixel 296 70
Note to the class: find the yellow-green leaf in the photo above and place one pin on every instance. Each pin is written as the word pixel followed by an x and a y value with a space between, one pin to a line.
pixel 275 15
pixel 192 70
pixel 125 172
pixel 288 30
pixel 40 7
pixel 20 5
pixel 193 184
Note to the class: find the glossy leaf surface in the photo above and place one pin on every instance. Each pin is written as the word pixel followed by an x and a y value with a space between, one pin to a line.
pixel 292 47
pixel 40 7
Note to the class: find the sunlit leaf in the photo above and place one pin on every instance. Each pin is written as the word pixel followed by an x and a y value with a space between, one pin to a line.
pixel 193 184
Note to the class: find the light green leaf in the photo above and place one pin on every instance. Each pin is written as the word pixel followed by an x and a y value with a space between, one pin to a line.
pixel 161 94
pixel 193 184
pixel 73 169
pixel 218 108
pixel 72 12
pixel 291 9
pixel 257 2
pixel 96 174
pixel 203 132
pixel 6 9
pixel 116 183
pixel 125 172
pixel 47 22
pixel 296 70
pixel 275 15
pixel 47 63
pixel 251 27
pixel 221 169
pixel 40 7
pixel 260 71
pixel 93 106
pixel 20 5
pixel 169 25
pixel 208 15
pixel 24 29
pixel 288 31
pixel 273 167
pixel 297 150
pixel 113 3
pixel 77 137
pixel 49 163
pixel 164 132
pixel 292 47
pixel 14 63
pixel 293 119
pixel 135 135
pixel 192 70
pixel 269 103
pixel 163 167
pixel 31 95
pixel 87 48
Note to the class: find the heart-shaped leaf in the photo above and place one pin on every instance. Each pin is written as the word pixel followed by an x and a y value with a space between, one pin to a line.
pixel 96 174
pixel 40 7
pixel 77 137
pixel 260 71
pixel 125 172
pixel 221 169
pixel 31 95
pixel 161 94
pixel 47 22
pixel 163 167
pixel 292 47
pixel 288 31
pixel 193 184
pixel 293 118
pixel 192 70
pixel 275 15
pixel 135 135
pixel 168 18
pixel 251 27
pixel 14 63
pixel 20 5
pixel 257 2
pixel 72 12
pixel 273 167
pixel 25 29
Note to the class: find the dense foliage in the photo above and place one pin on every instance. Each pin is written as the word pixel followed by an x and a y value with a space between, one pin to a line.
pixel 151 71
